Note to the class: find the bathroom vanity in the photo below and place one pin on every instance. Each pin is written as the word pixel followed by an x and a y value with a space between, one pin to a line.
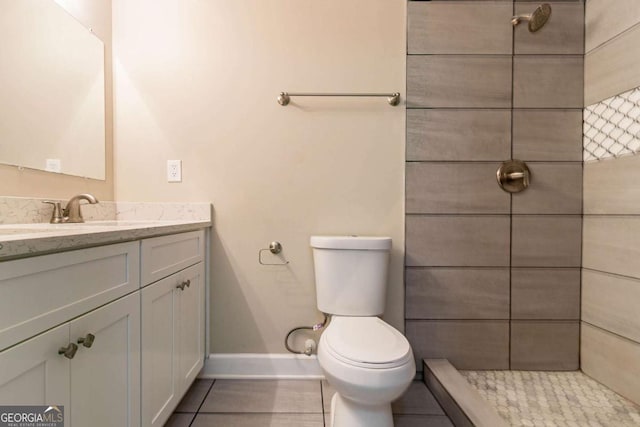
pixel 106 319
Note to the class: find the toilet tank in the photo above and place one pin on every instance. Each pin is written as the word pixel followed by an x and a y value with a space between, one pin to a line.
pixel 351 274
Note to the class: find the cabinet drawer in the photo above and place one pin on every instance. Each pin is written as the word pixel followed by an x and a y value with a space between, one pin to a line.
pixel 163 256
pixel 40 292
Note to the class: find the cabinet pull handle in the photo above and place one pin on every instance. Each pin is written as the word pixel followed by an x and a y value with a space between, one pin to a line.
pixel 87 341
pixel 184 284
pixel 68 351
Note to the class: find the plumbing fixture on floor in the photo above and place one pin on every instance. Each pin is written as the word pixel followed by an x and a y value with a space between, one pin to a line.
pixel 537 19
pixel 367 361
pixel 309 344
pixel 275 248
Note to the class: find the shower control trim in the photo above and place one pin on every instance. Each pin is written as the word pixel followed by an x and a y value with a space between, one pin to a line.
pixel 513 176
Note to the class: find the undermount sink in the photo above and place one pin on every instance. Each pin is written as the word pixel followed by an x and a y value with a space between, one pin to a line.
pixel 19 230
pixel 16 229
pixel 112 223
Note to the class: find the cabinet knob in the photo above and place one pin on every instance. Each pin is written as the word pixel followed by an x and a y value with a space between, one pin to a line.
pixel 184 284
pixel 87 341
pixel 68 351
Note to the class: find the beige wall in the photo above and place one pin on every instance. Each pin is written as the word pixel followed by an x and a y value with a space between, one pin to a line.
pixel 610 344
pixel 35 183
pixel 198 81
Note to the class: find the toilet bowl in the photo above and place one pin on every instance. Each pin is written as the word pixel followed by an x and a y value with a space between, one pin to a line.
pixel 367 361
pixel 370 364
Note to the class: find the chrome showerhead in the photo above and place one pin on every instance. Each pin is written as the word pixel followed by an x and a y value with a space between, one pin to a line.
pixel 537 19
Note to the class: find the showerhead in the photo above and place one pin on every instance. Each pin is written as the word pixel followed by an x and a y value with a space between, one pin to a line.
pixel 537 19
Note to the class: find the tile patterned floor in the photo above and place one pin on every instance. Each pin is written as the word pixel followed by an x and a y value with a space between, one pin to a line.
pixel 287 403
pixel 532 399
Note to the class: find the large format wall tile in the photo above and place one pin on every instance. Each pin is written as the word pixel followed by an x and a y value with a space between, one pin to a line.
pixel 458 81
pixel 613 67
pixel 466 344
pixel 555 188
pixel 430 27
pixel 611 302
pixel 461 134
pixel 611 244
pixel 547 135
pixel 457 240
pixel 605 19
pixel 457 293
pixel 454 188
pixel 553 81
pixel 546 241
pixel 545 293
pixel 545 345
pixel 562 34
pixel 607 189
pixel 611 360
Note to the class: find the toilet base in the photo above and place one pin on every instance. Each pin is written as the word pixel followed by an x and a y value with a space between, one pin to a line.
pixel 347 413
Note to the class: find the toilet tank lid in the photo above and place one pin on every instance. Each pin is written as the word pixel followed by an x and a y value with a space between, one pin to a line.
pixel 351 242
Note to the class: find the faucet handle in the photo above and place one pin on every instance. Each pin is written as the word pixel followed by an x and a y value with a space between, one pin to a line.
pixel 56 215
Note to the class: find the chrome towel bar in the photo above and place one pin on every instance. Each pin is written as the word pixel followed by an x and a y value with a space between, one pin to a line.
pixel 392 98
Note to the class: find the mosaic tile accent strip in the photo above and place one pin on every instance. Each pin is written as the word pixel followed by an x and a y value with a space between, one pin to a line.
pixel 572 399
pixel 612 127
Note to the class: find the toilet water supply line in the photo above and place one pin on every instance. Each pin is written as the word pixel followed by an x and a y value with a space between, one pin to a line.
pixel 309 344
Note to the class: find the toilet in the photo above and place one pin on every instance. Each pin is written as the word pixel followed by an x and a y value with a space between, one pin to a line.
pixel 367 361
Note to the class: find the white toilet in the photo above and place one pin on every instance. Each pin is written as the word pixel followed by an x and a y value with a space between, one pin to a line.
pixel 367 361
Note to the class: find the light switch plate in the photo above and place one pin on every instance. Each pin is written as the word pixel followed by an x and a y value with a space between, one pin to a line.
pixel 53 165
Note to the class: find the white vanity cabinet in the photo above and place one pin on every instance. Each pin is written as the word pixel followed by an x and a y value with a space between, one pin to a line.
pixel 172 324
pixel 105 377
pixel 98 385
pixel 127 347
pixel 97 382
pixel 33 373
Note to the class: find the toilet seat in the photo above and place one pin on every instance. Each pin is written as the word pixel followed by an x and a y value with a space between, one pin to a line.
pixel 366 342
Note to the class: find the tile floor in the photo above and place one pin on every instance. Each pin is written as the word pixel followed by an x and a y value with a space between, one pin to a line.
pixel 287 403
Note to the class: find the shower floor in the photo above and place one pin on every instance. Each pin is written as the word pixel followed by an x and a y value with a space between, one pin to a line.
pixel 532 399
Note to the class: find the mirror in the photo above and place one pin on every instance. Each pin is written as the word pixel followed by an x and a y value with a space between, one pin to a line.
pixel 52 90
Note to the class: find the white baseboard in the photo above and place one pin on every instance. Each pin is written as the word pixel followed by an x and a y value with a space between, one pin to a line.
pixel 261 366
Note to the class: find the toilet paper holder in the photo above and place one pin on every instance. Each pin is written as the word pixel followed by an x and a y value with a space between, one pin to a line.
pixel 275 248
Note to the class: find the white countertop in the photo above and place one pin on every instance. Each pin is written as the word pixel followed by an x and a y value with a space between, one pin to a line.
pixel 23 240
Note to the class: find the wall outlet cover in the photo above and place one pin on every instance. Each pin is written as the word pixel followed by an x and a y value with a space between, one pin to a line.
pixel 174 170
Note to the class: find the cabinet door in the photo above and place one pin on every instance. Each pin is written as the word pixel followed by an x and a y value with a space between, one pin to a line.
pixel 105 377
pixel 190 318
pixel 172 341
pixel 160 389
pixel 33 373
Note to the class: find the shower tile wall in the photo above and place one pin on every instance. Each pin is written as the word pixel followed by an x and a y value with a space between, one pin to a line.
pixel 493 280
pixel 610 341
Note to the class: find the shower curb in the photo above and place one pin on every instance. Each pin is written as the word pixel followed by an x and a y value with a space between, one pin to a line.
pixel 461 402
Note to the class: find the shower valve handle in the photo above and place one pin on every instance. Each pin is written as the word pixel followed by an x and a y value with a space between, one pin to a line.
pixel 513 176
